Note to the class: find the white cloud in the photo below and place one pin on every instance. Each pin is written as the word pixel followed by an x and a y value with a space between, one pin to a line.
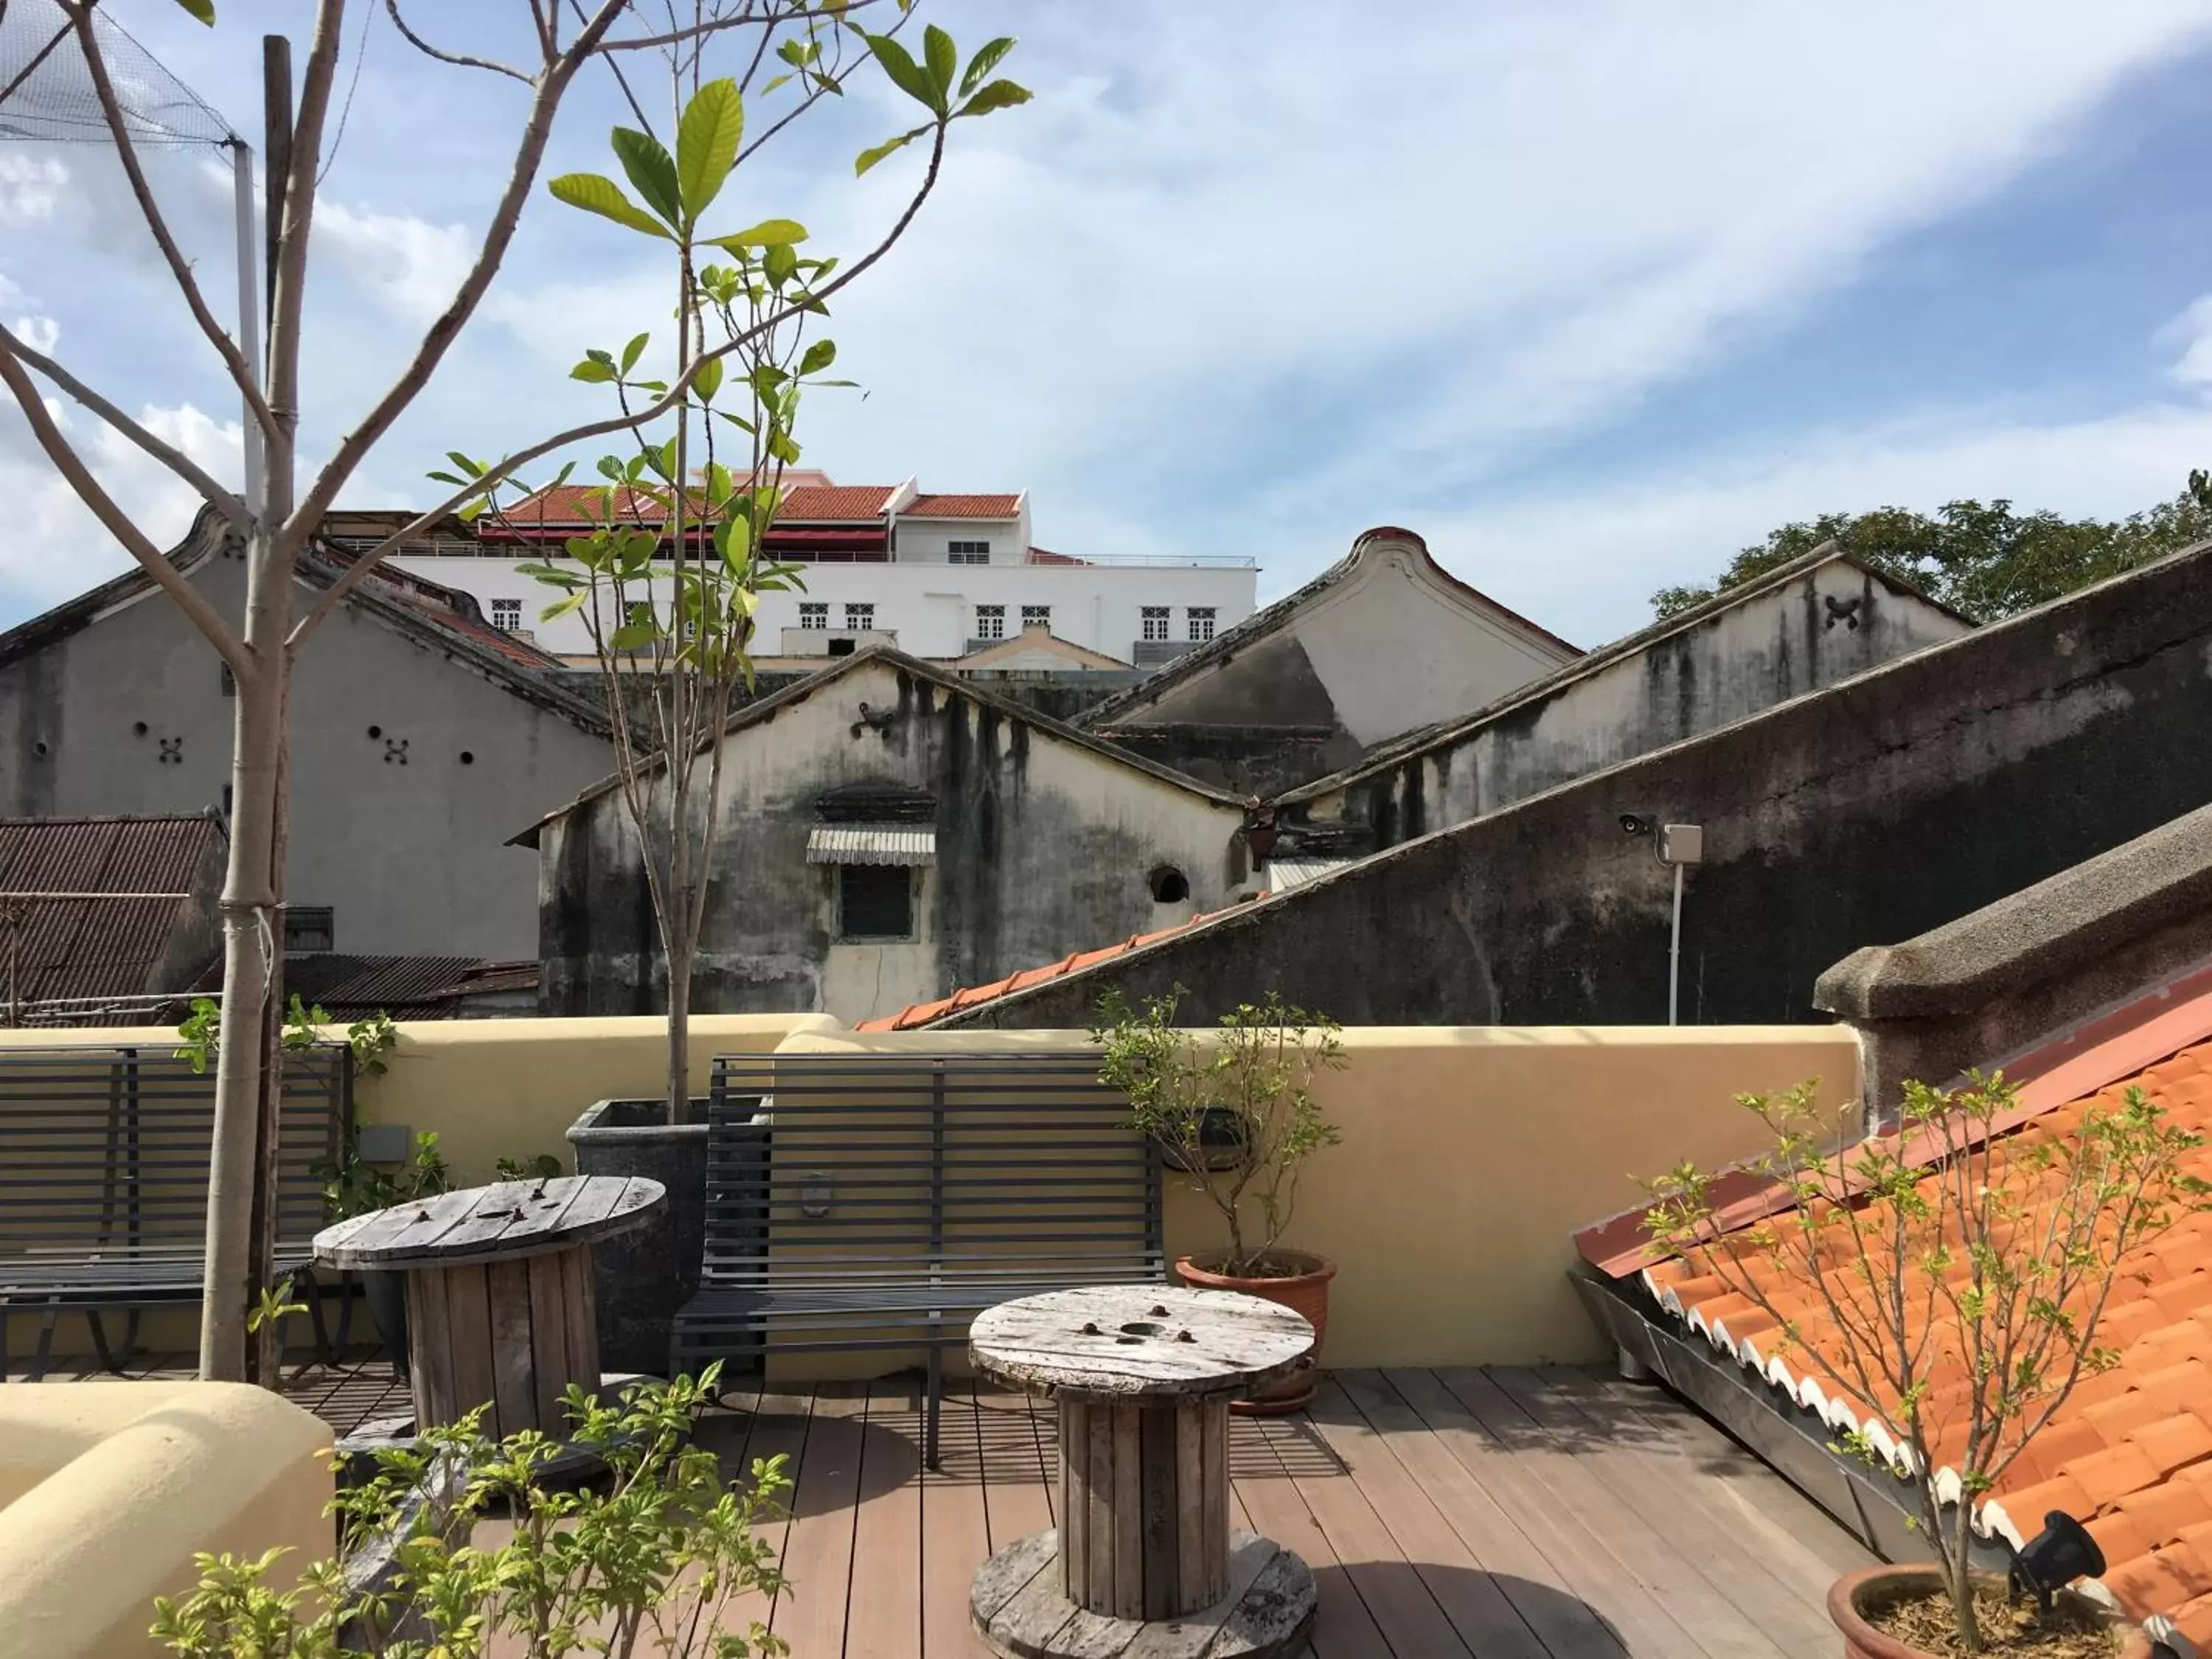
pixel 30 185
pixel 2192 330
pixel 410 265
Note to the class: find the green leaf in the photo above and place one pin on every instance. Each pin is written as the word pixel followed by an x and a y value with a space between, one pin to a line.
pixel 595 194
pixel 984 62
pixel 631 636
pixel 707 139
pixel 561 608
pixel 1000 94
pixel 204 10
pixel 632 351
pixel 819 357
pixel 707 379
pixel 781 263
pixel 650 171
pixel 868 158
pixel 774 81
pixel 942 59
pixel 474 469
pixel 768 233
pixel 594 373
pixel 907 75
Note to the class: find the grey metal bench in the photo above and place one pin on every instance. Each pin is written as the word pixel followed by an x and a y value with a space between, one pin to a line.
pixel 893 1197
pixel 103 1182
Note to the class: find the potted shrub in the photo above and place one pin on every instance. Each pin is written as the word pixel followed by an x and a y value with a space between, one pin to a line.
pixel 1233 1110
pixel 1949 1283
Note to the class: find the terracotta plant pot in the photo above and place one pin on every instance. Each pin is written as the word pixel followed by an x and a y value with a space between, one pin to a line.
pixel 1304 1292
pixel 1868 1591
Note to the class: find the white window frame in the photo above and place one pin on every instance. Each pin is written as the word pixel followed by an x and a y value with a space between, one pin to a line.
pixel 814 615
pixel 1198 622
pixel 990 622
pixel 506 615
pixel 967 552
pixel 859 616
pixel 1153 622
pixel 1034 614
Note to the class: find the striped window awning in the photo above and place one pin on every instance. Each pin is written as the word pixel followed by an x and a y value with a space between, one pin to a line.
pixel 871 843
pixel 1284 874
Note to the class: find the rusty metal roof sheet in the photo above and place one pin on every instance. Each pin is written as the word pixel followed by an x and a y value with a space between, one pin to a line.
pixel 871 843
pixel 54 949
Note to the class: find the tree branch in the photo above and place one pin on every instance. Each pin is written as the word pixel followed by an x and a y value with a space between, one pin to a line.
pixel 249 384
pixel 118 524
pixel 458 59
pixel 700 31
pixel 311 510
pixel 223 500
pixel 289 282
pixel 529 153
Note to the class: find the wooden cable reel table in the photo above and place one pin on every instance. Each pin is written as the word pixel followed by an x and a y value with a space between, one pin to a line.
pixel 1143 1560
pixel 500 1306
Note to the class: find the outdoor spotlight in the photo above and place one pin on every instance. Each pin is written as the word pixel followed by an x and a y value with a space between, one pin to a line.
pixel 2062 1552
pixel 1638 824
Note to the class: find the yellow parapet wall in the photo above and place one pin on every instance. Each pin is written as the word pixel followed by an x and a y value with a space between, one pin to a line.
pixel 107 1489
pixel 1470 1156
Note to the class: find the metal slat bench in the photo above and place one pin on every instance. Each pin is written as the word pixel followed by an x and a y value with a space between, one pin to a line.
pixel 104 1157
pixel 893 1197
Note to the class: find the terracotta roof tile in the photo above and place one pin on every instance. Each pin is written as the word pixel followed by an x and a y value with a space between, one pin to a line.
pixel 963 506
pixel 2129 1452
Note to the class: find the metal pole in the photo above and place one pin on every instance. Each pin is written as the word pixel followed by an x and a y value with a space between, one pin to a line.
pixel 249 321
pixel 1674 953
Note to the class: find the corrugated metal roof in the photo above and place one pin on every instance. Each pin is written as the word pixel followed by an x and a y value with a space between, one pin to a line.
pixel 406 988
pixel 70 948
pixel 871 844
pixel 1282 874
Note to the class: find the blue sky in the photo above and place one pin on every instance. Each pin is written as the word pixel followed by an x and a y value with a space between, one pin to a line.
pixel 1589 296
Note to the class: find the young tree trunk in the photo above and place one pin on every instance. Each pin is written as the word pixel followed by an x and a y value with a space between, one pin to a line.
pixel 252 944
pixel 680 1032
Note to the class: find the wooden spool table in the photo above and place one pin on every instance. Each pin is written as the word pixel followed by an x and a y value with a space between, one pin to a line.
pixel 1143 1560
pixel 500 1309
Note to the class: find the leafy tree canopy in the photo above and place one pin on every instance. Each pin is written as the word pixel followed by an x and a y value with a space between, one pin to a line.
pixel 1980 558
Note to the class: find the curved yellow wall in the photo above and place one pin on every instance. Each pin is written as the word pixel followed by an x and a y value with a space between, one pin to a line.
pixel 106 1489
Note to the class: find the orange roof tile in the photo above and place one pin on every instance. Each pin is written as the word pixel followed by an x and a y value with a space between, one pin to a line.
pixel 2129 1451
pixel 921 1013
pixel 963 506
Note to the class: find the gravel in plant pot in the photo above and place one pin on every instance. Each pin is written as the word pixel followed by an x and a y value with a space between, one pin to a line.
pixel 1233 1110
pixel 1947 1287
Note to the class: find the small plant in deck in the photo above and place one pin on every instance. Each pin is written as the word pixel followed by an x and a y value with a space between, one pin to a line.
pixel 648 1561
pixel 1233 1107
pixel 1948 1282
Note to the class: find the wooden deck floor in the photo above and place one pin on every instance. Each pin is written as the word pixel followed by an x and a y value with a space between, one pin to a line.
pixel 1489 1514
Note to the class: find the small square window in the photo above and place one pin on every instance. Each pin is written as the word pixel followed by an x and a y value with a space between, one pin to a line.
pixel 967 552
pixel 1200 619
pixel 309 928
pixel 859 618
pixel 507 614
pixel 1155 618
pixel 990 622
pixel 875 901
pixel 1037 616
pixel 814 615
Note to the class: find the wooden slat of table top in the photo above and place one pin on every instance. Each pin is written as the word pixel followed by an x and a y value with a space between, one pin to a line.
pixel 1124 1341
pixel 495 1223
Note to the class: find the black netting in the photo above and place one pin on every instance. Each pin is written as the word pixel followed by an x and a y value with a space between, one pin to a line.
pixel 47 91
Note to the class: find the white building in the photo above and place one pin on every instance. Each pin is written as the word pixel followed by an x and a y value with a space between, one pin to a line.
pixel 934 575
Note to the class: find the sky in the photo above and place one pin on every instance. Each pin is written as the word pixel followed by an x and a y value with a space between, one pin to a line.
pixel 1587 296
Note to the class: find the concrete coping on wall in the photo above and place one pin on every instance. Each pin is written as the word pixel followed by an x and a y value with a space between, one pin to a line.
pixel 2072 922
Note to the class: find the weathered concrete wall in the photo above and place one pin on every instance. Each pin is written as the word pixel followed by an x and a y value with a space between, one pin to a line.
pixel 129 716
pixel 1979 990
pixel 1831 620
pixel 1260 760
pixel 1044 846
pixel 1893 803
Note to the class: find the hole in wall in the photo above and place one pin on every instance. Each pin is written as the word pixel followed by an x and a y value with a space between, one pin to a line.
pixel 468 757
pixel 1169 884
pixel 39 747
pixel 139 729
pixel 375 732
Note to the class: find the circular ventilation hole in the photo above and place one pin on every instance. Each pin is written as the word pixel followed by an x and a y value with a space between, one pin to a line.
pixel 139 729
pixel 375 731
pixel 1142 1327
pixel 1170 885
pixel 468 757
pixel 39 747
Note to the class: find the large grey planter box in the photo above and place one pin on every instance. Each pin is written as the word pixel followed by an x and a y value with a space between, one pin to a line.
pixel 642 1277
